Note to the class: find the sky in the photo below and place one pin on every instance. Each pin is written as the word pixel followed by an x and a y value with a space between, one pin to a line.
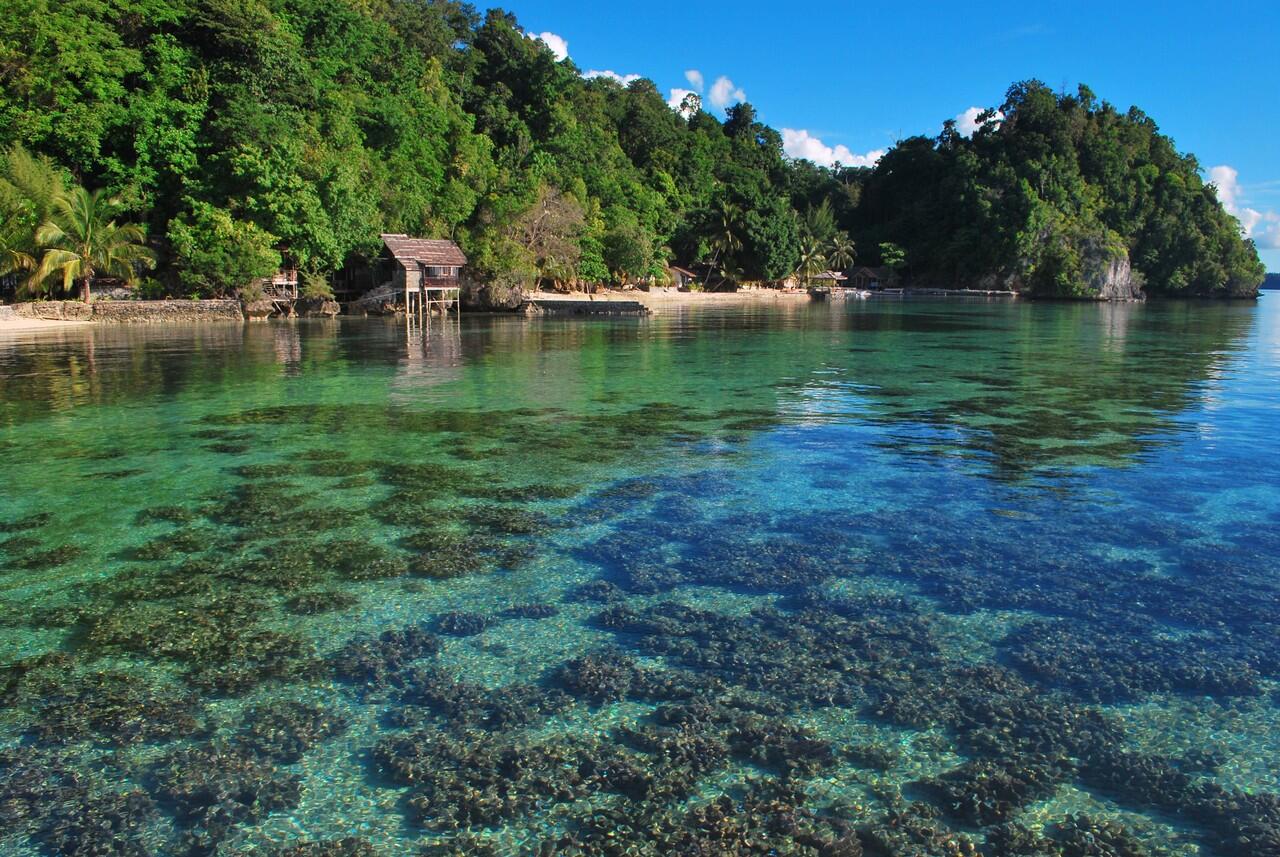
pixel 843 80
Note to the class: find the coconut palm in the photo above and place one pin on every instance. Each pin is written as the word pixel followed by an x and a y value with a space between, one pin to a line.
pixel 726 226
pixel 812 259
pixel 15 244
pixel 842 252
pixel 83 241
pixel 29 185
pixel 819 223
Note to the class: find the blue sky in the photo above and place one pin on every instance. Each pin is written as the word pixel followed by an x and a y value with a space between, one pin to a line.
pixel 861 75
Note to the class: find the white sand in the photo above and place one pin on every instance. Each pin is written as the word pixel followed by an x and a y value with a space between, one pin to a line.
pixel 26 325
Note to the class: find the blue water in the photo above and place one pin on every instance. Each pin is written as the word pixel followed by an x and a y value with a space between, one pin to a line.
pixel 885 578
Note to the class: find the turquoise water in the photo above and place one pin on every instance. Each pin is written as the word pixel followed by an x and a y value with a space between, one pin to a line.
pixel 890 578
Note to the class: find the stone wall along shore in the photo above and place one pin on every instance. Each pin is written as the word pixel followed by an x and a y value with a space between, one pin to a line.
pixel 132 312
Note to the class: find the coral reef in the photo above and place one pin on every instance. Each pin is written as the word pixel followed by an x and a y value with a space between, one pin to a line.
pixel 284 729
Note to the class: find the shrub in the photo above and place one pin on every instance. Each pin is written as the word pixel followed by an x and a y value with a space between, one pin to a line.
pixel 217 254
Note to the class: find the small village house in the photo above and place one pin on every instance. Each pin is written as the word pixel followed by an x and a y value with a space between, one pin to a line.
pixel 867 278
pixel 682 278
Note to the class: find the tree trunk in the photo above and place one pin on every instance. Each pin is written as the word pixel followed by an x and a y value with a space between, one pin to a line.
pixel 84 289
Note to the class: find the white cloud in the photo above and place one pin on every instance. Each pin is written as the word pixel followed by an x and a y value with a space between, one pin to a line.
pixel 798 143
pixel 1262 226
pixel 695 79
pixel 559 46
pixel 1269 237
pixel 967 122
pixel 676 101
pixel 724 93
pixel 623 79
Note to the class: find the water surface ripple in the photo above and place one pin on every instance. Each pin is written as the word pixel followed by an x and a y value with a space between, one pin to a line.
pixel 892 578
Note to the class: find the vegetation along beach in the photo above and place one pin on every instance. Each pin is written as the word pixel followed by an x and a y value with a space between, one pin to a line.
pixel 418 439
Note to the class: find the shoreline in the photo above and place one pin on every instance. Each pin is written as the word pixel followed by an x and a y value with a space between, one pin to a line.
pixel 18 324
pixel 655 300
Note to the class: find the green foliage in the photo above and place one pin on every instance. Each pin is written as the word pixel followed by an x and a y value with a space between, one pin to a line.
pixel 1051 195
pixel 892 256
pixel 315 286
pixel 81 241
pixel 29 188
pixel 307 127
pixel 628 251
pixel 217 254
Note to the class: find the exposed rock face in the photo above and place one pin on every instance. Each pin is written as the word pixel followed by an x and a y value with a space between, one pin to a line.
pixel 258 310
pixel 1111 277
pixel 154 312
pixel 318 308
pixel 492 297
pixel 380 301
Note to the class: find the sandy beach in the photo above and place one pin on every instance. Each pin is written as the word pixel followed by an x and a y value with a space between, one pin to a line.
pixel 16 324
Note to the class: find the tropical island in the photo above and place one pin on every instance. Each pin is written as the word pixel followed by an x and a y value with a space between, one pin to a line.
pixel 195 151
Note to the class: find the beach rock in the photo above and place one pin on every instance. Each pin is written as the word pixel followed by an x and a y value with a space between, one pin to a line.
pixel 318 308
pixel 380 301
pixel 492 297
pixel 258 310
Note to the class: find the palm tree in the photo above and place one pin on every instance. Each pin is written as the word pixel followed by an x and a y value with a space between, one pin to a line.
pixel 723 238
pixel 83 241
pixel 842 252
pixel 15 244
pixel 812 259
pixel 819 223
pixel 29 185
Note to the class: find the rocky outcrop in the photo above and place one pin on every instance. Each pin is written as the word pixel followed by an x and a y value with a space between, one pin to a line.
pixel 161 312
pixel 1109 276
pixel 318 308
pixel 379 301
pixel 259 310
pixel 492 297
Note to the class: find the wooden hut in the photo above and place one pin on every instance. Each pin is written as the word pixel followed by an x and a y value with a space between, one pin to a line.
pixel 425 269
pixel 867 278
pixel 682 278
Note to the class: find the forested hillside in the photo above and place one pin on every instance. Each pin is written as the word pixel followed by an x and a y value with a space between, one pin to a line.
pixel 240 130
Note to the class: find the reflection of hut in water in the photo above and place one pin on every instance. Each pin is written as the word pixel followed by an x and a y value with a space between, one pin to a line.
pixel 432 356
pixel 287 345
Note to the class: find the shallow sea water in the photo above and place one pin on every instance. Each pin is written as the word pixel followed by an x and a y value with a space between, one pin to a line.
pixel 885 578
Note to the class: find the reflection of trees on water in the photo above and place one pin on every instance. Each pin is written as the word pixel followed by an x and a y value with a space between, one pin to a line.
pixel 1021 387
pixel 58 370
pixel 1034 386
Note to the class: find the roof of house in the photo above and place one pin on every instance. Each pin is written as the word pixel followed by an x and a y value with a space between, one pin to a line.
pixel 424 251
pixel 829 275
pixel 684 271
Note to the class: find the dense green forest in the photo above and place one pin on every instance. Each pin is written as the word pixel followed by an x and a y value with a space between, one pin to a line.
pixel 246 133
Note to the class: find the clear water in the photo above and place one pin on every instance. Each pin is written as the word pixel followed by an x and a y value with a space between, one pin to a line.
pixel 896 578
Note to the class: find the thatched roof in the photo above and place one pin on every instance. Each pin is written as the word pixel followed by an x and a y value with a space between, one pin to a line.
pixel 424 251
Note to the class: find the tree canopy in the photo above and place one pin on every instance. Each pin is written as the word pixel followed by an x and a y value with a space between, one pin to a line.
pixel 235 130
